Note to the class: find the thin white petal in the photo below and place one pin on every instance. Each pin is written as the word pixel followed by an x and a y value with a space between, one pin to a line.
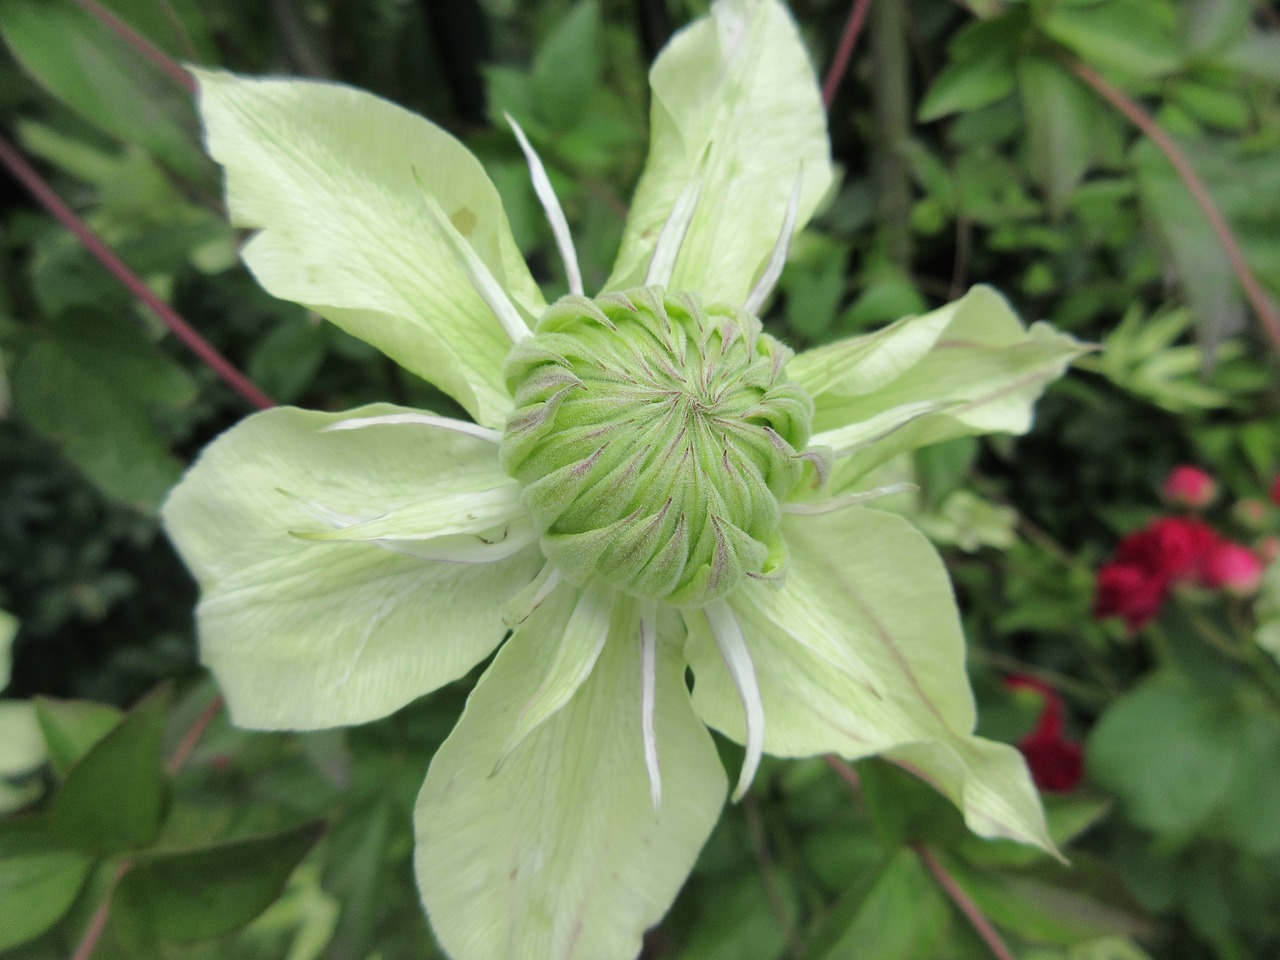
pixel 737 658
pixel 648 694
pixel 848 499
pixel 482 280
pixel 671 239
pixel 551 205
pixel 424 419
pixel 778 258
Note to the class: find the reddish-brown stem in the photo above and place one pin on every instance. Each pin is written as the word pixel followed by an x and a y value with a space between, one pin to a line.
pixel 844 51
pixel 844 771
pixel 198 345
pixel 1262 303
pixel 140 43
pixel 182 753
pixel 990 936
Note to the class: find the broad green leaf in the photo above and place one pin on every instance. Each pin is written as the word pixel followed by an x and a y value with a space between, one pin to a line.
pixel 86 66
pixel 340 185
pixel 197 894
pixel 1059 114
pixel 742 919
pixel 736 108
pixel 972 358
pixel 1254 794
pixel 903 916
pixel 286 359
pixel 87 385
pixel 8 622
pixel 967 85
pixel 303 633
pixel 72 727
pixel 566 69
pixel 860 653
pixel 1256 55
pixel 560 852
pixel 1132 37
pixel 36 889
pixel 1053 903
pixel 1144 744
pixel 115 797
pixel 1268 611
pixel 21 747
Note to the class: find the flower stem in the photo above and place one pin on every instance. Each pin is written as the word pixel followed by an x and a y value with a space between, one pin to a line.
pixel 844 51
pixel 1265 308
pixel 149 50
pixel 26 174
pixel 999 949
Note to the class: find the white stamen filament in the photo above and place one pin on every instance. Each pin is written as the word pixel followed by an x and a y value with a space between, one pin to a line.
pixel 671 239
pixel 482 281
pixel 848 500
pixel 648 695
pixel 551 206
pixel 423 419
pixel 778 258
pixel 737 658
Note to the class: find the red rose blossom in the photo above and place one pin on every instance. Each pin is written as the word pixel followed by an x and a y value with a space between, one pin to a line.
pixel 1188 486
pixel 1056 763
pixel 1136 582
pixel 1233 568
pixel 1128 592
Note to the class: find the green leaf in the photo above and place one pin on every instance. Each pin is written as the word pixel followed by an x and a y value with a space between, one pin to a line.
pixel 197 894
pixel 114 799
pixel 736 106
pixel 561 851
pixel 860 653
pixel 321 605
pixel 86 66
pixel 1144 744
pixel 1256 55
pixel 904 809
pixel 903 916
pixel 566 69
pixel 8 622
pixel 1132 37
pixel 35 891
pixel 87 385
pixel 285 360
pixel 72 727
pixel 21 748
pixel 1268 611
pixel 345 190
pixel 967 85
pixel 1059 114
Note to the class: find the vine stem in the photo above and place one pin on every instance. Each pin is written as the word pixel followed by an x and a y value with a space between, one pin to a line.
pixel 964 903
pixel 990 936
pixel 1262 304
pixel 29 178
pixel 844 51
pixel 149 50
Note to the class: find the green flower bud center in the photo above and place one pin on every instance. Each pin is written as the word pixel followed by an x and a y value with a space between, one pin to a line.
pixel 654 439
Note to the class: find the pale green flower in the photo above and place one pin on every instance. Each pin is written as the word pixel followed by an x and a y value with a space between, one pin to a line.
pixel 650 482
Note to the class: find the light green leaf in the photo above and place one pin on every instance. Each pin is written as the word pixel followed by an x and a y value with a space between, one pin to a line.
pixel 196 894
pixel 8 623
pixel 898 685
pixel 967 85
pixel 21 746
pixel 335 179
pixel 972 357
pixel 1268 611
pixel 72 727
pixel 566 70
pixel 735 101
pixel 1132 37
pixel 308 634
pixel 115 797
pixel 36 889
pixel 561 851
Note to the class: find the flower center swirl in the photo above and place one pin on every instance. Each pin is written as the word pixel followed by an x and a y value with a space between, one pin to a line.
pixel 654 438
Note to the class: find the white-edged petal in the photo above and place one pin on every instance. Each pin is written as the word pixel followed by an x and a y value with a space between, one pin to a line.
pixel 737 660
pixel 551 206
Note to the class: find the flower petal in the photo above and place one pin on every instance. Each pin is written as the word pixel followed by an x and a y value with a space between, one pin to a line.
pixel 860 652
pixel 971 358
pixel 735 102
pixel 560 853
pixel 334 177
pixel 305 634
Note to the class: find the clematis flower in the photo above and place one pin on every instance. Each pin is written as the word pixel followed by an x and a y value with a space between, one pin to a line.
pixel 650 482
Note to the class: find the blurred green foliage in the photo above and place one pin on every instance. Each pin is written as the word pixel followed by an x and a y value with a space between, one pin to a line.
pixel 971 151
